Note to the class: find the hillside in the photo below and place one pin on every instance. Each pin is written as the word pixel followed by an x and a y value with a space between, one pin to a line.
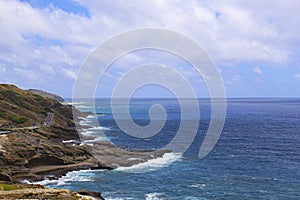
pixel 32 147
pixel 46 94
pixel 32 130
pixel 20 108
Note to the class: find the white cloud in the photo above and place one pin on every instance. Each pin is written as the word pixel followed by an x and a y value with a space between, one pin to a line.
pixel 27 74
pixel 231 31
pixel 69 73
pixel 297 76
pixel 47 69
pixel 257 71
pixel 243 31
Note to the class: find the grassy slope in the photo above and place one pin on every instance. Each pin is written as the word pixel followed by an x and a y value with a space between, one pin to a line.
pixel 20 108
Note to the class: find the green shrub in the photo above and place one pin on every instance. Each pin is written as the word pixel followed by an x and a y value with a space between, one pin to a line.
pixel 2 113
pixel 18 119
pixel 10 94
pixel 7 187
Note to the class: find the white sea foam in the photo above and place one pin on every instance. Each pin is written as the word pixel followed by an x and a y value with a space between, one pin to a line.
pixel 90 117
pixel 156 196
pixel 95 131
pixel 87 133
pixel 73 142
pixel 86 123
pixel 69 141
pixel 198 185
pixel 152 164
pixel 58 182
pixel 74 176
pixel 72 103
pixel 97 139
pixel 25 182
pixel 88 120
pixel 83 107
pixel 98 128
pixel 193 198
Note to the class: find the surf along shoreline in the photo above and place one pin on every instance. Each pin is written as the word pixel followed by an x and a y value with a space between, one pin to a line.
pixel 106 156
pixel 41 152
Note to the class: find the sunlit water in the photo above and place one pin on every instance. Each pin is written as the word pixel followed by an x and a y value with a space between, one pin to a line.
pixel 256 157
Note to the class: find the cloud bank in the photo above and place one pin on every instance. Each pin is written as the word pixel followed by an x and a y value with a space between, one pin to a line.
pixel 46 43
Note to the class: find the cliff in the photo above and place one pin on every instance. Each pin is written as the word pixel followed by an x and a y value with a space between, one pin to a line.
pixel 46 94
pixel 32 130
pixel 32 133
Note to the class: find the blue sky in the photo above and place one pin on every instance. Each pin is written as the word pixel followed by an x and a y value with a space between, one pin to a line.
pixel 255 45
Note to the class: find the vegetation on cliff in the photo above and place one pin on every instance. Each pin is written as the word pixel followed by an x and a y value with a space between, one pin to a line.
pixel 30 148
pixel 46 94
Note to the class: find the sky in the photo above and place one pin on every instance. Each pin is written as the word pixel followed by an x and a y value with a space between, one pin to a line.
pixel 255 45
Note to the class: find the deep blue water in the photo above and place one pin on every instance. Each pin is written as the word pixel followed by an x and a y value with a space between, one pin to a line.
pixel 256 157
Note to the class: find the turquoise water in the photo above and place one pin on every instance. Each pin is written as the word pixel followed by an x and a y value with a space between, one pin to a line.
pixel 256 157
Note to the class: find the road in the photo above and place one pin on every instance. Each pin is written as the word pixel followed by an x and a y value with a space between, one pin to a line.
pixel 49 119
pixel 47 122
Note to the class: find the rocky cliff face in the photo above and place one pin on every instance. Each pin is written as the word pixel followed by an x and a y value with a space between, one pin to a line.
pixel 46 94
pixel 20 108
pixel 22 191
pixel 32 131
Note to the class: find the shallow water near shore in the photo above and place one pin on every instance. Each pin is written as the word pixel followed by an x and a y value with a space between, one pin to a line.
pixel 256 157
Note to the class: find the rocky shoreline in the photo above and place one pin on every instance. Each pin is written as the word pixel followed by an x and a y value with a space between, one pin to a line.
pixel 31 152
pixel 22 191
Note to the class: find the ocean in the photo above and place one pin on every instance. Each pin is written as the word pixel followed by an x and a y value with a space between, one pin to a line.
pixel 256 157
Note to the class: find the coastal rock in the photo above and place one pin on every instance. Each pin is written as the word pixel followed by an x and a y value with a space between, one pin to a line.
pixel 14 192
pixel 91 193
pixel 114 157
pixel 33 144
pixel 30 149
pixel 46 94
pixel 5 177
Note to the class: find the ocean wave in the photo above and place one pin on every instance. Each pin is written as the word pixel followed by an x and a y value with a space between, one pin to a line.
pixel 88 120
pixel 98 128
pixel 92 116
pixel 73 142
pixel 69 141
pixel 156 196
pixel 74 176
pixel 97 139
pixel 72 103
pixel 87 133
pixel 95 131
pixel 152 164
pixel 83 107
pixel 198 185
pixel 86 123
pixel 193 198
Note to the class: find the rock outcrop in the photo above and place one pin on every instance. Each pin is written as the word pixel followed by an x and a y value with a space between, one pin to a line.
pixel 32 150
pixel 33 131
pixel 47 94
pixel 22 191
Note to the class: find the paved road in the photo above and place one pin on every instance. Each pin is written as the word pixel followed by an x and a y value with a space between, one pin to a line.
pixel 47 122
pixel 49 119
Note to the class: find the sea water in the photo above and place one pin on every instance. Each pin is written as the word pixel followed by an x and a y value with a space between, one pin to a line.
pixel 256 157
